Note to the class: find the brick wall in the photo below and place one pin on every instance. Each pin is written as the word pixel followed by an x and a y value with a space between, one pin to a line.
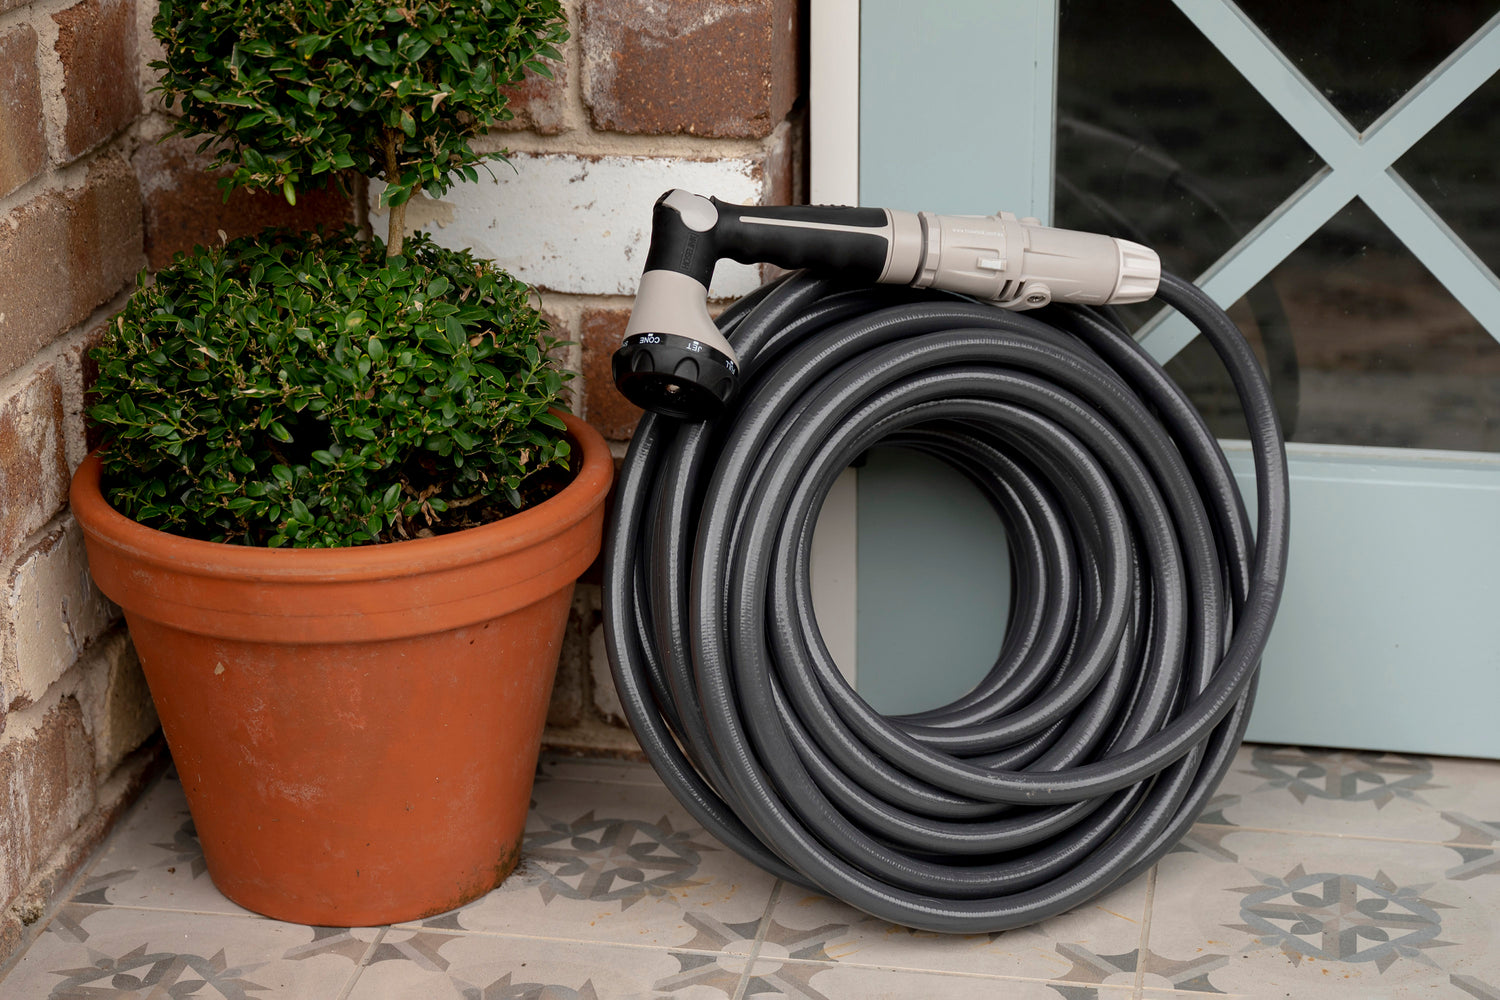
pixel 87 199
pixel 699 94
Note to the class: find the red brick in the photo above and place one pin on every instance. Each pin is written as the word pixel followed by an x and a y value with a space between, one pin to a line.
pixel 104 235
pixel 719 68
pixel 35 305
pixel 610 413
pixel 47 780
pixel 53 877
pixel 63 254
pixel 33 459
pixel 96 42
pixel 184 206
pixel 538 103
pixel 23 143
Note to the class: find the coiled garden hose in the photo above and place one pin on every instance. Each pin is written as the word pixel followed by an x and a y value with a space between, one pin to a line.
pixel 1141 605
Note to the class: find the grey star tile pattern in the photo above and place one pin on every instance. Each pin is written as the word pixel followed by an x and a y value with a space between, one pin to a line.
pixel 1311 874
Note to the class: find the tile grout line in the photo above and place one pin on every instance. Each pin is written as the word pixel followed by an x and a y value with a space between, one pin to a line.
pixel 363 964
pixel 987 977
pixel 760 937
pixel 1145 940
pixel 1235 828
pixel 554 939
pixel 245 915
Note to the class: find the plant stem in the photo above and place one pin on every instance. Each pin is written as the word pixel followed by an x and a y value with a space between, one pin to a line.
pixel 396 233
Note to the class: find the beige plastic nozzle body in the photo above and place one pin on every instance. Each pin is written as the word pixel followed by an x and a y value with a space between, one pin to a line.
pixel 1019 263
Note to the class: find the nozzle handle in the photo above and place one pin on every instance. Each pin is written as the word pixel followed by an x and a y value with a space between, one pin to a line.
pixel 690 233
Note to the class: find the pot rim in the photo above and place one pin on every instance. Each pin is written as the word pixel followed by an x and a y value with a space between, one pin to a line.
pixel 411 557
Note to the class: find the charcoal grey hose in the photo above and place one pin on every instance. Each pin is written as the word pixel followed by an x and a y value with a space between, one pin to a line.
pixel 1141 603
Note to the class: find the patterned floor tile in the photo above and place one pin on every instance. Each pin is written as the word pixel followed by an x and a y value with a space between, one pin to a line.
pixel 154 860
pixel 813 927
pixel 620 895
pixel 1315 916
pixel 1360 793
pixel 90 952
pixel 439 966
pixel 620 863
pixel 777 978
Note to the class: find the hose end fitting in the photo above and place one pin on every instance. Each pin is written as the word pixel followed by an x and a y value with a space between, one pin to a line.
pixel 1021 264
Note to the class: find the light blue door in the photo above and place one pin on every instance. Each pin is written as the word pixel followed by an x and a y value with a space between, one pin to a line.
pixel 1327 171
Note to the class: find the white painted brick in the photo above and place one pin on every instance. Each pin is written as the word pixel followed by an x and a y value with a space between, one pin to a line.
pixel 33 463
pixel 606 698
pixel 70 376
pixel 52 611
pixel 117 706
pixel 578 224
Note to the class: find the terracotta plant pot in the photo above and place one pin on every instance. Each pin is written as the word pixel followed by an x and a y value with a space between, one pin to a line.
pixel 356 729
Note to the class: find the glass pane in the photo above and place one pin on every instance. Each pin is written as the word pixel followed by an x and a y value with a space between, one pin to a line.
pixel 1456 169
pixel 1159 137
pixel 1161 140
pixel 1364 56
pixel 1364 346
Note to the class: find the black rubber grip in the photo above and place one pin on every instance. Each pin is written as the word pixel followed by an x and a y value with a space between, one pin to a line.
pixel 833 215
pixel 675 247
pixel 861 256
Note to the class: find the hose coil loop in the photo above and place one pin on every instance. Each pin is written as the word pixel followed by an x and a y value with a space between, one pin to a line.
pixel 1141 603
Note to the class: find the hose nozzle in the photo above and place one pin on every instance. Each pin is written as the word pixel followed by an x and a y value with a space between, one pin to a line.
pixel 675 361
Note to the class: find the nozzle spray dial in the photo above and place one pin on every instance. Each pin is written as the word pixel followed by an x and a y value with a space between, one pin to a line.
pixel 675 361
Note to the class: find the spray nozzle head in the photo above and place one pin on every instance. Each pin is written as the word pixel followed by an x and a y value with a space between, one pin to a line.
pixel 674 375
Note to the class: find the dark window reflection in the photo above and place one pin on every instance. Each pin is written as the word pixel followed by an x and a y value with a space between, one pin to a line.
pixel 1160 139
pixel 1456 170
pixel 1363 56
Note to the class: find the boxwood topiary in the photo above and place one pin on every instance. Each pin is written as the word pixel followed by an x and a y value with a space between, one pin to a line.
pixel 299 88
pixel 306 390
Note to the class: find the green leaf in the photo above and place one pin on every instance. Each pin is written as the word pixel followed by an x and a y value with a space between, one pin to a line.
pixel 233 385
